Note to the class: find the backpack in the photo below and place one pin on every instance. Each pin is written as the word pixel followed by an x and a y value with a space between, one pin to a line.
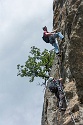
pixel 45 38
pixel 53 87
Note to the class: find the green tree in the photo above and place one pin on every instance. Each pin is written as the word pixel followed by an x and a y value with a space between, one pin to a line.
pixel 37 65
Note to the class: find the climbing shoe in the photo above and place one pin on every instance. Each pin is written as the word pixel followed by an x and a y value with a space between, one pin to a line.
pixel 58 54
pixel 58 62
pixel 63 40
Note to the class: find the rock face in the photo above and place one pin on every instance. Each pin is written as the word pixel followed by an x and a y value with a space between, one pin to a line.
pixel 68 17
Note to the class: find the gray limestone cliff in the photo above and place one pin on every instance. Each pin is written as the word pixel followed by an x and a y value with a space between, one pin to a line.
pixel 68 16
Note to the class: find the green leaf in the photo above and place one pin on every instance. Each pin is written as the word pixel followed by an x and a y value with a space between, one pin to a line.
pixel 38 64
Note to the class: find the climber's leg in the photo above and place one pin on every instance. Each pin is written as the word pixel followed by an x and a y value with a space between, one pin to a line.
pixel 56 46
pixel 59 34
pixel 62 102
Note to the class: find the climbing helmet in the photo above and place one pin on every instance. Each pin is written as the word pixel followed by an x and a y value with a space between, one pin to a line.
pixel 50 79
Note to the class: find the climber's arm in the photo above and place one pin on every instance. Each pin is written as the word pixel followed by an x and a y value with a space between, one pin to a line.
pixel 61 79
pixel 49 33
pixel 56 30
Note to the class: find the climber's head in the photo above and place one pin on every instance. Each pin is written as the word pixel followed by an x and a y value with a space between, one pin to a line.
pixel 50 79
pixel 45 28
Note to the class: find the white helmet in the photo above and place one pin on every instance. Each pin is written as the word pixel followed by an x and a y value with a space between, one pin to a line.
pixel 50 79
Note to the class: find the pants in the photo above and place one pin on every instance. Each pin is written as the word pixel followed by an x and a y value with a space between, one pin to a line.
pixel 56 46
pixel 54 41
pixel 60 96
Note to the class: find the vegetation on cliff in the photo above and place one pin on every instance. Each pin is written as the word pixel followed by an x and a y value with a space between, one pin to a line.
pixel 37 65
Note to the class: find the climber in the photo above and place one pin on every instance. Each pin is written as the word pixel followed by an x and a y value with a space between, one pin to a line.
pixel 56 87
pixel 51 37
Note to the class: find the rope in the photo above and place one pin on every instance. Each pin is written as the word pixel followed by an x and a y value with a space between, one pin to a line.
pixel 59 114
pixel 67 6
pixel 59 66
pixel 59 21
pixel 70 112
pixel 59 118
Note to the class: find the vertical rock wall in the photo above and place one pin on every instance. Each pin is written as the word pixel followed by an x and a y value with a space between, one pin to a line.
pixel 68 16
